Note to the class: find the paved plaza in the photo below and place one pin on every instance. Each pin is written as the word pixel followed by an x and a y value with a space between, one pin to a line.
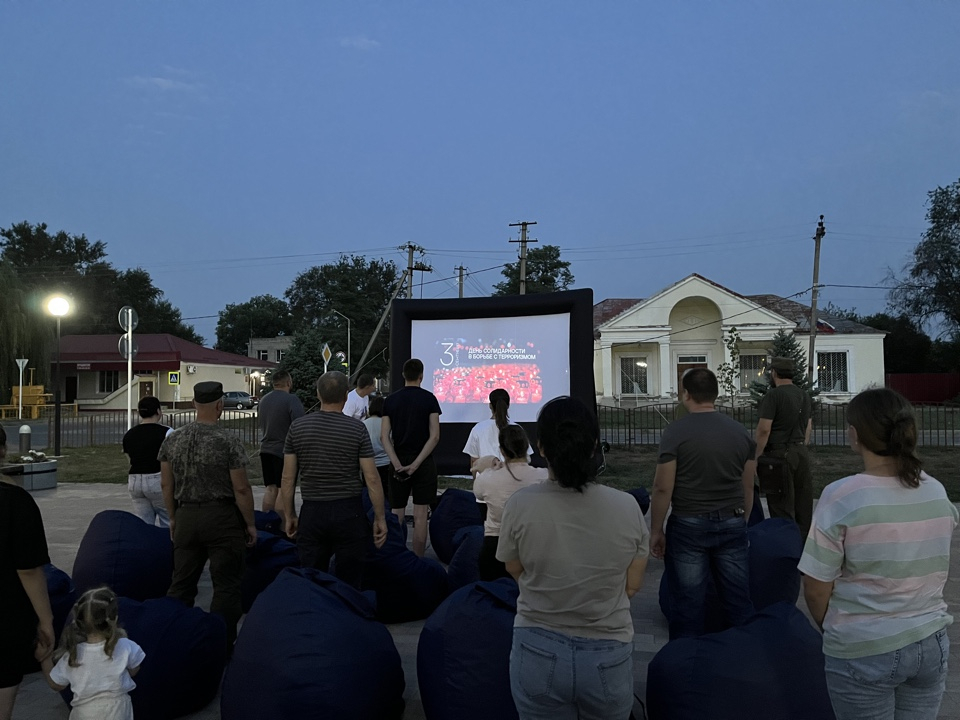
pixel 68 509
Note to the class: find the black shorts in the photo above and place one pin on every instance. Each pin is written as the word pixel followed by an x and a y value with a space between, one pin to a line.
pixel 272 469
pixel 16 656
pixel 422 485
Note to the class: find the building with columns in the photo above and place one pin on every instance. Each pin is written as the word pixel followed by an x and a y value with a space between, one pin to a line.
pixel 643 346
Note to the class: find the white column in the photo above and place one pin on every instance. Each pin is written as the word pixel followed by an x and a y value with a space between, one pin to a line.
pixel 606 368
pixel 666 369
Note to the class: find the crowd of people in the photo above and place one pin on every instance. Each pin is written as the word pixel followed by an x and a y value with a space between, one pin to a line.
pixel 874 565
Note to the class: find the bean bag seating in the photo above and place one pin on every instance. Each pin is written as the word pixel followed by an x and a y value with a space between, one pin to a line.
pixel 775 550
pixel 407 587
pixel 311 647
pixel 265 560
pixel 464 567
pixel 642 497
pixel 186 651
pixel 463 659
pixel 62 594
pixel 268 522
pixel 456 509
pixel 756 514
pixel 770 668
pixel 122 551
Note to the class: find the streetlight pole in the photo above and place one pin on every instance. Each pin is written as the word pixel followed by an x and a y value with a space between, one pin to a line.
pixel 349 363
pixel 58 307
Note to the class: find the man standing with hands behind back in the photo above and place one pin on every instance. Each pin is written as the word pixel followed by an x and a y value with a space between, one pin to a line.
pixel 410 431
pixel 203 473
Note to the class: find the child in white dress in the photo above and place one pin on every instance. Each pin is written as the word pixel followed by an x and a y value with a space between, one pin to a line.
pixel 96 660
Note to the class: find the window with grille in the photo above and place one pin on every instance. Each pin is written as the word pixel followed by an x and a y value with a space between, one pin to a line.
pixel 752 368
pixel 832 372
pixel 633 375
pixel 263 354
pixel 108 381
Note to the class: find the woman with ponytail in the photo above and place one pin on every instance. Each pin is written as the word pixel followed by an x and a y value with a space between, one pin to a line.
pixel 578 551
pixel 875 565
pixel 484 439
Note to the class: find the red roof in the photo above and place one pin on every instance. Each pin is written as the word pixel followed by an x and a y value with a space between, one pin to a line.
pixel 151 349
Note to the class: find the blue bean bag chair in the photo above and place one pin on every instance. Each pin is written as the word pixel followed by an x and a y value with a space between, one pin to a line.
pixel 756 514
pixel 62 594
pixel 407 587
pixel 311 647
pixel 122 551
pixel 463 659
pixel 265 560
pixel 770 668
pixel 456 509
pixel 464 567
pixel 642 497
pixel 775 550
pixel 268 522
pixel 186 651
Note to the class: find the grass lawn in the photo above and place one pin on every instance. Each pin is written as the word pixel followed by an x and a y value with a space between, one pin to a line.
pixel 626 468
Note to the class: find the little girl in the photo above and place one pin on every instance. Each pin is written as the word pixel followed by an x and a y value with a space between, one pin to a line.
pixel 96 660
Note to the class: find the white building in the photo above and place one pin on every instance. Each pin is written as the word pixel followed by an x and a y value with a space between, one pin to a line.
pixel 643 346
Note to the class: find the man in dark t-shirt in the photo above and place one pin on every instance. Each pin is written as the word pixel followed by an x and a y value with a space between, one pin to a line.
pixel 328 449
pixel 705 470
pixel 277 410
pixel 783 431
pixel 409 433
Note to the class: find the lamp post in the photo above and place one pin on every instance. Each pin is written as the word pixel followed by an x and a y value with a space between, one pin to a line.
pixel 349 363
pixel 58 306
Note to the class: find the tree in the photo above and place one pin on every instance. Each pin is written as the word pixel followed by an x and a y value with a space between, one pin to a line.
pixel 304 362
pixel 23 336
pixel 355 286
pixel 785 344
pixel 262 316
pixel 906 348
pixel 728 373
pixel 546 273
pixel 931 289
pixel 156 315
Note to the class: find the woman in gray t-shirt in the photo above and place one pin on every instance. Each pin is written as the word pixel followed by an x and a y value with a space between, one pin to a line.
pixel 578 551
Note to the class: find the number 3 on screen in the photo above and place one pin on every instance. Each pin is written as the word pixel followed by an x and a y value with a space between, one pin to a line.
pixel 446 359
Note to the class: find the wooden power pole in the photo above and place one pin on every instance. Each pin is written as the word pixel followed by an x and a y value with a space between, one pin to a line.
pixel 523 224
pixel 461 268
pixel 821 231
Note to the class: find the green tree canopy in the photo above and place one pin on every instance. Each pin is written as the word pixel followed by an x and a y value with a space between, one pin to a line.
pixel 546 273
pixel 930 289
pixel 785 344
pixel 263 316
pixel 22 335
pixel 359 288
pixel 304 362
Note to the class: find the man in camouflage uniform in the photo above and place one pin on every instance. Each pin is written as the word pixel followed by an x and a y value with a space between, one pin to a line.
pixel 203 470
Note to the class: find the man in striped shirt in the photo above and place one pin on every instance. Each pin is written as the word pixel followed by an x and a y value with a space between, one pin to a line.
pixel 330 450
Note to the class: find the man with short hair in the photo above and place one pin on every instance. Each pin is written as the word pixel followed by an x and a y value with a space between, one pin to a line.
pixel 277 410
pixel 783 432
pixel 142 444
pixel 705 471
pixel 328 448
pixel 358 401
pixel 410 431
pixel 203 470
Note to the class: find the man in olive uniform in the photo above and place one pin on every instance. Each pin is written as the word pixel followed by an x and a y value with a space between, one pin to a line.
pixel 784 432
pixel 203 471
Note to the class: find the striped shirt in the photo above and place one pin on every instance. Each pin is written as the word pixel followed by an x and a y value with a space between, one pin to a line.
pixel 886 548
pixel 328 446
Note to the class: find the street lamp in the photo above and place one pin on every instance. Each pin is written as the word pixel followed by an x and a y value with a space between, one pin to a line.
pixel 58 306
pixel 349 363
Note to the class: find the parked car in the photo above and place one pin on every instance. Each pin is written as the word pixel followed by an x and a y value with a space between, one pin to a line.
pixel 239 400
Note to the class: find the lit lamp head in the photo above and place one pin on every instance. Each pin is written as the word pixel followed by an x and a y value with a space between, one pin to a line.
pixel 58 306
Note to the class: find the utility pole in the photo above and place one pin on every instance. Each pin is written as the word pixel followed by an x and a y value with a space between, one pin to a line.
pixel 411 266
pixel 523 224
pixel 821 231
pixel 461 268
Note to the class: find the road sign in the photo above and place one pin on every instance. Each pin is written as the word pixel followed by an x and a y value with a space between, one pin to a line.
pixel 123 345
pixel 22 362
pixel 326 354
pixel 173 378
pixel 128 318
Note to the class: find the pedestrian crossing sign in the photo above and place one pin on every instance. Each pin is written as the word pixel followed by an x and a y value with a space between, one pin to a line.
pixel 173 378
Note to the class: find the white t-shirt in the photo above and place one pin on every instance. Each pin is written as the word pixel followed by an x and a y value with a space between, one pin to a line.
pixel 484 440
pixel 494 487
pixel 97 675
pixel 356 406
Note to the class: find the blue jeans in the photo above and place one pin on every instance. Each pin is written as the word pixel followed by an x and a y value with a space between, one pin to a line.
pixel 904 684
pixel 560 677
pixel 697 549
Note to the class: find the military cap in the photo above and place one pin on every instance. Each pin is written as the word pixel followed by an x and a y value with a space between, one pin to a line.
pixel 207 392
pixel 783 364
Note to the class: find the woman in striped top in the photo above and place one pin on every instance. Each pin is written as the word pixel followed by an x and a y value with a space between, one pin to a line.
pixel 875 564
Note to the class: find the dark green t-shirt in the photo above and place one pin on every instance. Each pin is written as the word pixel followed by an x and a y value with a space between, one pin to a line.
pixel 789 408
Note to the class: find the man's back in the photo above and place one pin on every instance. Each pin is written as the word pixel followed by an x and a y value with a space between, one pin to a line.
pixel 409 410
pixel 201 456
pixel 789 408
pixel 328 446
pixel 277 410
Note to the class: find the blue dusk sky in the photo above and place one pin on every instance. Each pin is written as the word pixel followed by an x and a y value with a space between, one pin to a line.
pixel 227 146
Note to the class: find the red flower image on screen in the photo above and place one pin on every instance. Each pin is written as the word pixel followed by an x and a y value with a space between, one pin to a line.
pixel 476 370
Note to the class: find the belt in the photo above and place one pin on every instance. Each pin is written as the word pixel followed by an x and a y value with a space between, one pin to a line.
pixel 207 503
pixel 785 446
pixel 722 514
